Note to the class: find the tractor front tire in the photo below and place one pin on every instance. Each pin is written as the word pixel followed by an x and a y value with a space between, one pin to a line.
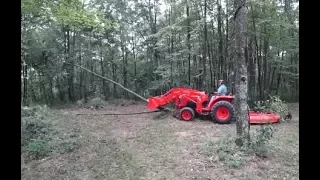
pixel 223 112
pixel 186 114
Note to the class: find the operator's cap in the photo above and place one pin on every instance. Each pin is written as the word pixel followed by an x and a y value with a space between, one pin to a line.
pixel 221 80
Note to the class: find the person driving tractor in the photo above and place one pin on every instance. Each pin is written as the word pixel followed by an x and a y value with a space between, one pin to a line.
pixel 222 90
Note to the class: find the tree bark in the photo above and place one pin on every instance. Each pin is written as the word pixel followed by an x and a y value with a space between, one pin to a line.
pixel 70 76
pixel 251 72
pixel 114 78
pixel 257 59
pixel 241 106
pixel 220 39
pixel 265 57
pixel 25 83
pixel 154 29
pixel 214 64
pixel 92 89
pixel 104 89
pixel 81 74
pixel 204 60
pixel 226 56
pixel 135 66
pixel 188 43
pixel 279 74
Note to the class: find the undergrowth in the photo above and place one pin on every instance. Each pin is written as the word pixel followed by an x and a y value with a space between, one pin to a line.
pixel 231 155
pixel 40 134
pixel 273 104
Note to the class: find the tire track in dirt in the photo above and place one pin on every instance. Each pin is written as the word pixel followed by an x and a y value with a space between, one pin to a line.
pixel 161 148
pixel 167 148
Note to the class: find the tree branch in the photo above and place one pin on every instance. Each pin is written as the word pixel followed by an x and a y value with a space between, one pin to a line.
pixel 128 90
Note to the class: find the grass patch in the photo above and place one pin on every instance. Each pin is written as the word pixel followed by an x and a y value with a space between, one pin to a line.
pixel 37 149
pixel 41 135
pixel 114 162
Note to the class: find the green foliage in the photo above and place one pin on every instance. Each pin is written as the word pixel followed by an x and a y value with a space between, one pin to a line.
pixel 26 111
pixel 72 15
pixel 31 6
pixel 225 151
pixel 67 146
pixel 80 103
pixel 273 104
pixel 149 47
pixel 35 131
pixel 259 144
pixel 37 149
pixel 231 155
pixel 96 102
pixel 40 134
pixel 37 111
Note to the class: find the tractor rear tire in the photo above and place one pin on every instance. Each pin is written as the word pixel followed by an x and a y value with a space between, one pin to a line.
pixel 223 112
pixel 186 114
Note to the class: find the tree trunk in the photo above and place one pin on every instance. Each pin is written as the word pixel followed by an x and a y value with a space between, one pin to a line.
pixel 171 63
pixel 259 55
pixel 241 85
pixel 205 46
pixel 125 81
pixel 220 39
pixel 33 94
pixel 25 83
pixel 104 89
pixel 114 78
pixel 265 61
pixel 86 76
pixel 135 67
pixel 70 78
pixel 51 91
pixel 81 73
pixel 154 31
pixel 257 59
pixel 210 66
pixel 214 64
pixel 171 46
pixel 226 56
pixel 188 43
pixel 272 77
pixel 92 89
pixel 251 73
pixel 279 74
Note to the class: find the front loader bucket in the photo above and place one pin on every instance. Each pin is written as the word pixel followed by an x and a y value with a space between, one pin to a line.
pixel 153 103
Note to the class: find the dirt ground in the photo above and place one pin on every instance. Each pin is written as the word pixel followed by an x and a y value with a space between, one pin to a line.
pixel 141 147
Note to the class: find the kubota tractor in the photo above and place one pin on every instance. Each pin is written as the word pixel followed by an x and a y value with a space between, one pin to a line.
pixel 190 102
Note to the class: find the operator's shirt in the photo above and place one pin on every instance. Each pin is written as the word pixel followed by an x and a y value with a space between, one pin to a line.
pixel 222 90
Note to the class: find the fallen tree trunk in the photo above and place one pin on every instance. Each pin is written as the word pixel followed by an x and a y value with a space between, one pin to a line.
pixel 128 90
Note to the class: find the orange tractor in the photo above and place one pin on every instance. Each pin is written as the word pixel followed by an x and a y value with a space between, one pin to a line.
pixel 190 102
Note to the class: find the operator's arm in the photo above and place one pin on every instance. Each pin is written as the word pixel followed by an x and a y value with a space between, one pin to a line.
pixel 218 92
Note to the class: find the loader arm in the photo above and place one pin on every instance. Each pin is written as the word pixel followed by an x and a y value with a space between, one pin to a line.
pixel 162 100
pixel 179 96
